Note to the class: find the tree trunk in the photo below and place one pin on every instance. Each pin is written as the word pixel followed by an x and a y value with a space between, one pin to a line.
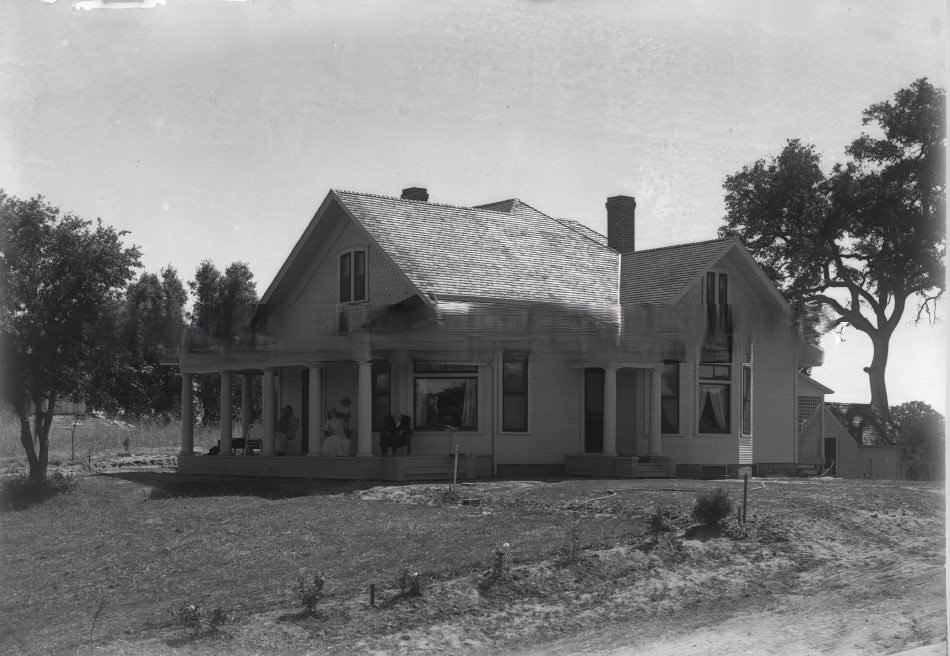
pixel 37 473
pixel 881 343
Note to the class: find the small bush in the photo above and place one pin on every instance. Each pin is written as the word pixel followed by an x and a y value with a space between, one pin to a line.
pixel 309 590
pixel 21 492
pixel 198 621
pixel 497 572
pixel 712 507
pixel 410 583
pixel 661 521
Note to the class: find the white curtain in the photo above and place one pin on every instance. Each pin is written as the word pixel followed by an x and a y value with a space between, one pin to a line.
pixel 469 405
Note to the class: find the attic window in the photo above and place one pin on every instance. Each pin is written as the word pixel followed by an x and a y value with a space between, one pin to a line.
pixel 353 276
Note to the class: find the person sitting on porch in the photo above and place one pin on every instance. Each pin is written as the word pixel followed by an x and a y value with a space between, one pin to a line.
pixel 387 436
pixel 335 442
pixel 288 433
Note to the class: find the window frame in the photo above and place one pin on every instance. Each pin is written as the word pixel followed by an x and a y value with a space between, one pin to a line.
pixel 676 395
pixel 523 395
pixel 423 370
pixel 353 278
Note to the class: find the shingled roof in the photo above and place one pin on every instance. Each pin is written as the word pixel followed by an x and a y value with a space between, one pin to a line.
pixel 867 427
pixel 659 275
pixel 505 250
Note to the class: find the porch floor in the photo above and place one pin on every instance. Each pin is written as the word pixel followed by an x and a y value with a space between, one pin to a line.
pixel 393 468
pixel 596 464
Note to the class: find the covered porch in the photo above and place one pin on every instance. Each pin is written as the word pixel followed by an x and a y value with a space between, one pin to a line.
pixel 623 422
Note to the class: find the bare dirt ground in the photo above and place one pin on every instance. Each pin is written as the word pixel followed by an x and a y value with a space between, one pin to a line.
pixel 823 566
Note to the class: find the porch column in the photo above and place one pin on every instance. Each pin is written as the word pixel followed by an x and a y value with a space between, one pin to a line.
pixel 267 401
pixel 610 411
pixel 187 416
pixel 315 410
pixel 656 395
pixel 246 406
pixel 364 410
pixel 225 414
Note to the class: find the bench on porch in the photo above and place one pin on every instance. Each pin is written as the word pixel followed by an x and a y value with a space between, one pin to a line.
pixel 241 446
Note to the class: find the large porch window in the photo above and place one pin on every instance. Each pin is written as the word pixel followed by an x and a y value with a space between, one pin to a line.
pixel 445 396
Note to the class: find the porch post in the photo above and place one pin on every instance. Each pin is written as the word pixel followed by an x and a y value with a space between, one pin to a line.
pixel 187 416
pixel 610 411
pixel 246 406
pixel 656 395
pixel 364 410
pixel 315 410
pixel 225 448
pixel 267 401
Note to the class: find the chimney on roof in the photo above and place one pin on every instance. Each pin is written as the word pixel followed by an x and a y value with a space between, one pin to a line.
pixel 415 193
pixel 621 211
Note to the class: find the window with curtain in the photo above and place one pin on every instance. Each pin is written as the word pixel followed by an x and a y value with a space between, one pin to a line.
pixel 670 398
pixel 746 399
pixel 445 397
pixel 514 392
pixel 714 398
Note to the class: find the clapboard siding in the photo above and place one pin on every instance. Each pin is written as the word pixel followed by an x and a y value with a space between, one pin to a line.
pixel 311 308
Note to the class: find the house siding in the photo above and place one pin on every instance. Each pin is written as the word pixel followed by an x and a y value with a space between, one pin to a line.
pixel 313 304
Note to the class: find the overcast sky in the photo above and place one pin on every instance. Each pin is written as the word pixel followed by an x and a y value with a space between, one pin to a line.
pixel 213 129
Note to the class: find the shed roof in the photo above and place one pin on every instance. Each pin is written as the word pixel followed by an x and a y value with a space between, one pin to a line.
pixel 865 425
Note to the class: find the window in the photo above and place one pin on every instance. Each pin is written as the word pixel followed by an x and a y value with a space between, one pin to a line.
pixel 714 398
pixel 446 395
pixel 747 399
pixel 382 386
pixel 514 392
pixel 717 288
pixel 670 398
pixel 353 276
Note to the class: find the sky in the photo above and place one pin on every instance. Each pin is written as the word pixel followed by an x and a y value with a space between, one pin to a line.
pixel 213 129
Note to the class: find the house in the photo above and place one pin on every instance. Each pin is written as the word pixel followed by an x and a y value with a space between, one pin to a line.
pixel 515 340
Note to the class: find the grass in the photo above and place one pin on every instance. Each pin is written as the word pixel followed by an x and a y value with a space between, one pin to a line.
pixel 104 569
pixel 89 439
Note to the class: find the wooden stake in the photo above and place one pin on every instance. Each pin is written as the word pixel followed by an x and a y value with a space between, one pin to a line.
pixel 745 496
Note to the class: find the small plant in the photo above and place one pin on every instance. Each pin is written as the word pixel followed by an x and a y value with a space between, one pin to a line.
pixel 712 507
pixel 126 443
pixel 410 583
pixel 309 590
pixel 200 623
pixel 670 549
pixel 497 572
pixel 661 522
pixel 574 549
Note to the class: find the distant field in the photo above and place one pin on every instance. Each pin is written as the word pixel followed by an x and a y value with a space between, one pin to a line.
pixel 822 567
pixel 100 438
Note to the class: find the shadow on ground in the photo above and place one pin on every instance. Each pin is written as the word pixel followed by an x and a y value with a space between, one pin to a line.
pixel 169 485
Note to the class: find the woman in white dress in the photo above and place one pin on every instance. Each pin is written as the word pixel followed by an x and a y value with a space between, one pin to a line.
pixel 335 442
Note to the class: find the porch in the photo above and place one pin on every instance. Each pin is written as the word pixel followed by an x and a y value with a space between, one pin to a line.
pixel 393 468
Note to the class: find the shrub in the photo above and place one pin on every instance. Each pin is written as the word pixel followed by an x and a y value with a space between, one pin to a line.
pixel 661 522
pixel 410 583
pixel 497 572
pixel 199 622
pixel 21 492
pixel 309 590
pixel 712 507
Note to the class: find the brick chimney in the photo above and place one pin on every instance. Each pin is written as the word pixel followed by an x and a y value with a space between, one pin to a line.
pixel 415 193
pixel 621 227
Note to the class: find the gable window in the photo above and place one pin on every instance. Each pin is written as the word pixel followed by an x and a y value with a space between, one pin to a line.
pixel 446 396
pixel 670 398
pixel 514 392
pixel 717 288
pixel 353 276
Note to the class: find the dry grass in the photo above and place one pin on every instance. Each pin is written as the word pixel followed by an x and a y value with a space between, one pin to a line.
pixel 91 438
pixel 101 570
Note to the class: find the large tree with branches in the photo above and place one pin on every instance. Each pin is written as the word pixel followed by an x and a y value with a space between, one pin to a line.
pixel 860 243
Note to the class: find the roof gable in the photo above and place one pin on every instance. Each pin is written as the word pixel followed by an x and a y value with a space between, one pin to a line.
pixel 863 424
